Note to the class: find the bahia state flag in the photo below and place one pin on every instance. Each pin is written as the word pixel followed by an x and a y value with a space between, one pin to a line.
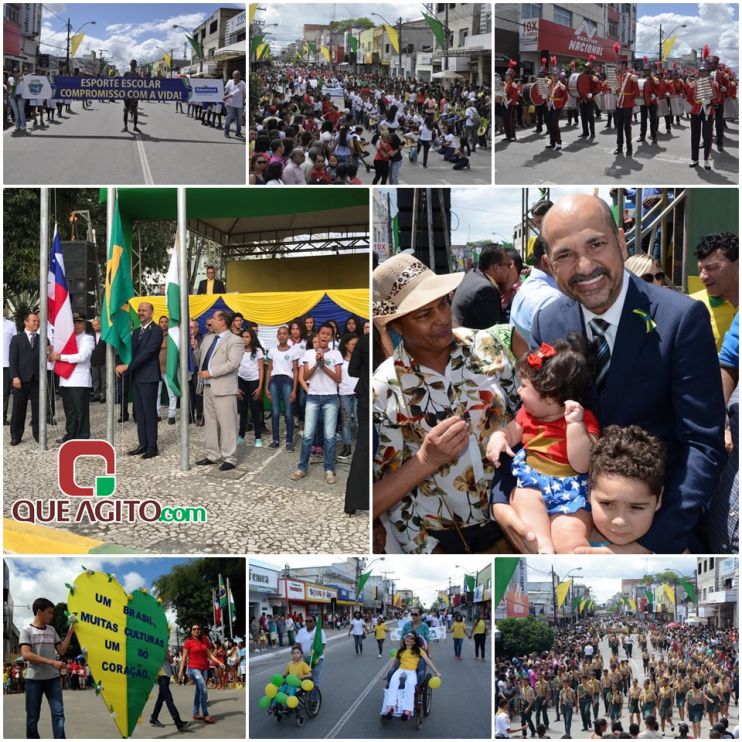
pixel 60 327
pixel 115 317
pixel 172 295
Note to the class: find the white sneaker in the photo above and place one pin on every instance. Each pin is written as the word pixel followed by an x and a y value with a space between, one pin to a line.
pixel 379 655
pixel 258 443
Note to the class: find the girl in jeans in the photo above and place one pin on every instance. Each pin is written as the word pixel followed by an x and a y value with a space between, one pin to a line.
pixel 282 377
pixel 250 379
pixel 358 628
pixel 196 655
pixel 346 392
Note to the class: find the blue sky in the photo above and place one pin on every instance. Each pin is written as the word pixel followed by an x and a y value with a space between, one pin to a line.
pixel 37 577
pixel 125 31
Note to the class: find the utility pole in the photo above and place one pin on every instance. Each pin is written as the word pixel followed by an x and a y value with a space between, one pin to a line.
pixel 445 38
pixel 431 232
pixel 553 594
pixel 67 55
pixel 660 56
pixel 399 25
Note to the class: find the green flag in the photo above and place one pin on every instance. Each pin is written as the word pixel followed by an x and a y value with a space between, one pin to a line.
pixel 470 583
pixel 649 594
pixel 689 588
pixel 504 569
pixel 115 324
pixel 196 46
pixel 255 42
pixel 353 43
pixel 437 28
pixel 172 294
pixel 576 601
pixel 312 48
pixel 222 593
pixel 315 654
pixel 362 580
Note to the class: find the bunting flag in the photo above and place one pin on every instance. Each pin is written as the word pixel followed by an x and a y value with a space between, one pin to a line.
pixel 255 42
pixel 353 43
pixel 312 48
pixel 397 600
pixel 115 318
pixel 391 32
pixel 443 597
pixel 298 57
pixel 632 603
pixel 583 604
pixel 362 580
pixel 172 294
pixel 167 59
pixel 316 651
pixel 470 583
pixel 251 8
pixel 576 601
pixel 669 592
pixel 649 594
pixel 325 53
pixel 75 42
pixel 667 46
pixel 394 216
pixel 562 590
pixel 504 569
pixel 438 30
pixel 61 328
pixel 195 45
pixel 689 589
pixel 261 52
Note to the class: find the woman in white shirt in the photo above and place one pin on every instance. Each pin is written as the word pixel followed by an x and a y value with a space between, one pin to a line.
pixel 358 629
pixel 503 730
pixel 282 378
pixel 250 380
pixel 428 131
pixel 347 394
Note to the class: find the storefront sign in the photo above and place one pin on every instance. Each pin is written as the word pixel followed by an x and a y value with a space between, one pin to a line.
pixel 263 579
pixel 528 35
pixel 291 589
pixel 580 42
pixel 318 594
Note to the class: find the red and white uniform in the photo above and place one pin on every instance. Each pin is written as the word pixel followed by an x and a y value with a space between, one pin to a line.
pixel 557 95
pixel 696 104
pixel 627 91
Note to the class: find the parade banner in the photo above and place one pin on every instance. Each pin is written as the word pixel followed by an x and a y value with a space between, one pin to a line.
pixel 124 640
pixel 122 88
pixel 436 633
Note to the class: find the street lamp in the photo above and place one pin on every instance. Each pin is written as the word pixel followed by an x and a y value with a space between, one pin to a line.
pixel 200 46
pixel 69 34
pixel 668 35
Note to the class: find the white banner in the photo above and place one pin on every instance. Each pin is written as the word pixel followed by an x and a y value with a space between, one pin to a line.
pixel 36 86
pixel 206 91
pixel 437 633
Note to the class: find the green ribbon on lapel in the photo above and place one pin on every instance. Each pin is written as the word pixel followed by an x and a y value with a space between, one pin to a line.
pixel 650 324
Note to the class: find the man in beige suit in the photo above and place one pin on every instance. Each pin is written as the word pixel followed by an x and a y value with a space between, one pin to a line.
pixel 221 353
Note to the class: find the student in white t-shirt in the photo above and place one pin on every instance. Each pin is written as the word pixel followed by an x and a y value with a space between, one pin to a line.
pixel 347 394
pixel 282 379
pixel 321 372
pixel 250 379
pixel 298 343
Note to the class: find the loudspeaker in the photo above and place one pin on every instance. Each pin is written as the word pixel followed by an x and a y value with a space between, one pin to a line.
pixel 81 272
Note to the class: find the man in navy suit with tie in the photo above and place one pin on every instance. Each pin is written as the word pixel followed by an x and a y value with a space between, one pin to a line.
pixel 24 373
pixel 144 375
pixel 656 366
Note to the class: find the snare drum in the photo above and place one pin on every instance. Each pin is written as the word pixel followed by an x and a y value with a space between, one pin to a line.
pixel 731 108
pixel 663 108
pixel 610 101
pixel 676 105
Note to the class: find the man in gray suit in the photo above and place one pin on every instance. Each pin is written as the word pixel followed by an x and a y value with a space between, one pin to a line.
pixel 221 353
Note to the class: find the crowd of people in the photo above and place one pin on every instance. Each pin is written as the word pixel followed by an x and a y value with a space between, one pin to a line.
pixel 689 677
pixel 20 112
pixel 321 126
pixel 659 95
pixel 579 411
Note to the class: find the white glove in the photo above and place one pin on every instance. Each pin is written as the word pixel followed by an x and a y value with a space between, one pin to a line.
pixel 654 97
pixel 589 95
pixel 723 89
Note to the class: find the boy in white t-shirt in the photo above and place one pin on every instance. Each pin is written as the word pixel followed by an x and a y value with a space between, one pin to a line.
pixel 321 369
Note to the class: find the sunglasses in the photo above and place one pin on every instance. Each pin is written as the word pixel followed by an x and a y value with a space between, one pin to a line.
pixel 195 628
pixel 649 277
pixel 414 614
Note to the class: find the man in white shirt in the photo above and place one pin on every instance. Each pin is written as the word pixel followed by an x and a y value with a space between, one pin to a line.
pixel 305 638
pixel 76 387
pixel 471 123
pixel 9 329
pixel 234 100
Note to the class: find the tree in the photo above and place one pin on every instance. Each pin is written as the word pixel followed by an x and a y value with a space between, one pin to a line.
pixel 61 625
pixel 348 23
pixel 187 589
pixel 525 635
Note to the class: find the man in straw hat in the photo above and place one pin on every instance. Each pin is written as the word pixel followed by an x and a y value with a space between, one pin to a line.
pixel 436 401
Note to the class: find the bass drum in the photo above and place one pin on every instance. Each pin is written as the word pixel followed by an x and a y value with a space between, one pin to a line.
pixel 579 84
pixel 532 95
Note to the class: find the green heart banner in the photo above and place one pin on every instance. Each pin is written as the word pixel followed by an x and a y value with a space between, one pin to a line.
pixel 124 639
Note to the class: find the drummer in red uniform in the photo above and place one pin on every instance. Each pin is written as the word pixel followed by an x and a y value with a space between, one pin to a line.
pixel 723 82
pixel 554 104
pixel 702 112
pixel 677 86
pixel 587 86
pixel 627 89
pixel 511 101
pixel 663 93
pixel 648 104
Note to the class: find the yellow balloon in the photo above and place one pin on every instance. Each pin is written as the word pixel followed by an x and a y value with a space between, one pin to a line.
pixel 307 685
pixel 292 702
pixel 271 690
pixel 434 682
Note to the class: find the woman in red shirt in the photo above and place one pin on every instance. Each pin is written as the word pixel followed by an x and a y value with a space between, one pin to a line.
pixel 196 654
pixel 384 153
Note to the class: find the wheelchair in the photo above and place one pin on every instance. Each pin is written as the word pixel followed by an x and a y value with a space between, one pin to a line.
pixel 423 697
pixel 310 703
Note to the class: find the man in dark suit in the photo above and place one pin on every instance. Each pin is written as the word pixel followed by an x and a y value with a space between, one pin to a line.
pixel 144 374
pixel 24 375
pixel 477 303
pixel 211 284
pixel 98 364
pixel 656 365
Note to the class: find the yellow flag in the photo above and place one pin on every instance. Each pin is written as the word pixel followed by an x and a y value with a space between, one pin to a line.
pixel 325 52
pixel 251 11
pixel 260 51
pixel 75 42
pixel 168 59
pixel 391 32
pixel 669 592
pixel 561 591
pixel 583 604
pixel 632 603
pixel 667 46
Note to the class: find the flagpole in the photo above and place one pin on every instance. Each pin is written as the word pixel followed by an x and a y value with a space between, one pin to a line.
pixel 213 605
pixel 229 609
pixel 110 370
pixel 221 612
pixel 43 312
pixel 185 331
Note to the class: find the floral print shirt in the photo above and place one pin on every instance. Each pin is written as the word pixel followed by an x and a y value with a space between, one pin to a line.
pixel 480 385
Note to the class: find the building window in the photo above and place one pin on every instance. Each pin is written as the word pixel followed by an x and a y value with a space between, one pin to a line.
pixel 463 33
pixel 213 27
pixel 711 563
pixel 386 48
pixel 530 10
pixel 612 28
pixel 563 16
pixel 626 8
pixel 13 14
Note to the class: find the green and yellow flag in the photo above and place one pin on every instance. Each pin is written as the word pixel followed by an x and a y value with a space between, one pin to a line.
pixel 115 322
pixel 391 32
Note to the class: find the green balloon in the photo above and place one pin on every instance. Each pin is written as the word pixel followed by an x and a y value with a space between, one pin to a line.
pixel 392 652
pixel 281 698
pixel 264 702
pixel 293 680
pixel 277 680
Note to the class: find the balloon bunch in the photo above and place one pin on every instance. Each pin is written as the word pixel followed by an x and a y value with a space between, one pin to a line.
pixel 273 692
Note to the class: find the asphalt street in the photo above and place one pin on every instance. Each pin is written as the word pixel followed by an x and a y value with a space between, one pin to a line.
pixel 352 692
pixel 88 147
pixel 527 162
pixel 86 716
pixel 556 728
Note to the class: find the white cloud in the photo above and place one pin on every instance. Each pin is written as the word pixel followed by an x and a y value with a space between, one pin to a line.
pixel 132 581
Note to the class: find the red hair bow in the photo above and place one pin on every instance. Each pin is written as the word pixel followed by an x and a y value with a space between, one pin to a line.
pixel 536 360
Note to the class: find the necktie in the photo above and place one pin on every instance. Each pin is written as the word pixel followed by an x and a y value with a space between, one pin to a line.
pixel 141 331
pixel 32 338
pixel 209 353
pixel 603 352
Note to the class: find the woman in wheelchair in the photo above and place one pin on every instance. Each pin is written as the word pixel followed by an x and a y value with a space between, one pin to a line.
pixel 408 669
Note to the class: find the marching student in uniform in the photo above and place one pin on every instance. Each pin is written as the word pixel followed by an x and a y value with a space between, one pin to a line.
pixel 511 101
pixel 554 104
pixel 648 105
pixel 702 94
pixel 627 89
